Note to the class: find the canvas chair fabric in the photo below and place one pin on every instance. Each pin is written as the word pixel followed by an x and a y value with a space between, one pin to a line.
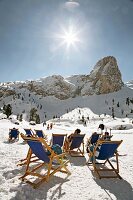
pixel 94 138
pixel 75 148
pixel 29 132
pixel 58 139
pixel 39 133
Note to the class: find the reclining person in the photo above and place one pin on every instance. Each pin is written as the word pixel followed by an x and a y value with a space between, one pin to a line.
pixel 68 139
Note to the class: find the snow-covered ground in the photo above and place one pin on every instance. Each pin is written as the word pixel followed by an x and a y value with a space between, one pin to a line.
pixel 82 183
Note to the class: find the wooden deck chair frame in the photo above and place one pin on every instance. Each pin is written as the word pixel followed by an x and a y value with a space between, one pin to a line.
pixel 77 151
pixel 114 169
pixel 17 135
pixel 48 162
pixel 57 141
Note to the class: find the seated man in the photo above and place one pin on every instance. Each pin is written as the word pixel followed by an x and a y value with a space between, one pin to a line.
pixel 68 139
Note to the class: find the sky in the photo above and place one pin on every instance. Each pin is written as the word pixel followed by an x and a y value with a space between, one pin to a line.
pixel 39 38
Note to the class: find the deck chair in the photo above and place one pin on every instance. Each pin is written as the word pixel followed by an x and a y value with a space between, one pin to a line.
pixel 58 139
pixel 53 163
pixel 94 138
pixel 39 133
pixel 104 151
pixel 75 145
pixel 13 135
pixel 29 132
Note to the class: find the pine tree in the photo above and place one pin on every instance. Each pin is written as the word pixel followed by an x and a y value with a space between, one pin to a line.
pixel 37 119
pixel 33 114
pixel 21 118
pixel 7 109
pixel 127 101
pixel 118 105
pixel 17 116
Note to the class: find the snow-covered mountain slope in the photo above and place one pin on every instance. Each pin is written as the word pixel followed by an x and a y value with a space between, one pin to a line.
pixel 129 84
pixel 121 103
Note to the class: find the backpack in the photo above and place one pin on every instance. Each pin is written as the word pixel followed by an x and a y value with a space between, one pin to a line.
pixel 56 148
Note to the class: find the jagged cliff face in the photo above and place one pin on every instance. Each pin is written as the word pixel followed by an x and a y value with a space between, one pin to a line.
pixel 104 78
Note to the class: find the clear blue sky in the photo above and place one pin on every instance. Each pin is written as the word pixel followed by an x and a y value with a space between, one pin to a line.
pixel 33 42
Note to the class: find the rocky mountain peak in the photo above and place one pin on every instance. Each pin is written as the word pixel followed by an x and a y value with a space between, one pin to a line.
pixel 106 76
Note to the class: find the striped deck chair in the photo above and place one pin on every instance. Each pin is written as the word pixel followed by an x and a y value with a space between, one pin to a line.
pixel 104 151
pixel 75 145
pixel 13 135
pixel 58 139
pixel 51 164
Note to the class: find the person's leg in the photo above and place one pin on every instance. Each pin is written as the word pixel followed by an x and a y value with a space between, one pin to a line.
pixel 66 145
pixel 91 148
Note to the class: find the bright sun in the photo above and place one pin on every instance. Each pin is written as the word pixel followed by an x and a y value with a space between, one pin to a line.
pixel 68 37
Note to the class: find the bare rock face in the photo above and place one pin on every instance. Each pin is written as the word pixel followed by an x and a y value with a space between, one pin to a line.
pixel 106 76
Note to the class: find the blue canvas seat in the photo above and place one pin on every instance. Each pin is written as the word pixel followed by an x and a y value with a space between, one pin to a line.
pixel 75 149
pixel 58 139
pixel 13 135
pixel 104 151
pixel 29 132
pixel 39 133
pixel 94 138
pixel 39 147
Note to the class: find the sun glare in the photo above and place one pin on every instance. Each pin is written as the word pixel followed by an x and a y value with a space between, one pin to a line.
pixel 68 37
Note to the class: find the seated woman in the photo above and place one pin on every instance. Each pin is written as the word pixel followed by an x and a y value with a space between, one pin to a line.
pixel 68 139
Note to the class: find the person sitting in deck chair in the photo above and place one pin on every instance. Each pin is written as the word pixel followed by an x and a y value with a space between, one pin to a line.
pixel 68 139
pixel 92 141
pixel 106 136
pixel 13 135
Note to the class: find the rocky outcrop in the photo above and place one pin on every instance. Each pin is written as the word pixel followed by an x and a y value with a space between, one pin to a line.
pixel 54 85
pixel 104 78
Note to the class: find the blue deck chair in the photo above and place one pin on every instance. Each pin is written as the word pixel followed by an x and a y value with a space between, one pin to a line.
pixel 104 151
pixel 13 135
pixel 75 145
pixel 94 138
pixel 58 139
pixel 39 133
pixel 51 164
pixel 29 132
